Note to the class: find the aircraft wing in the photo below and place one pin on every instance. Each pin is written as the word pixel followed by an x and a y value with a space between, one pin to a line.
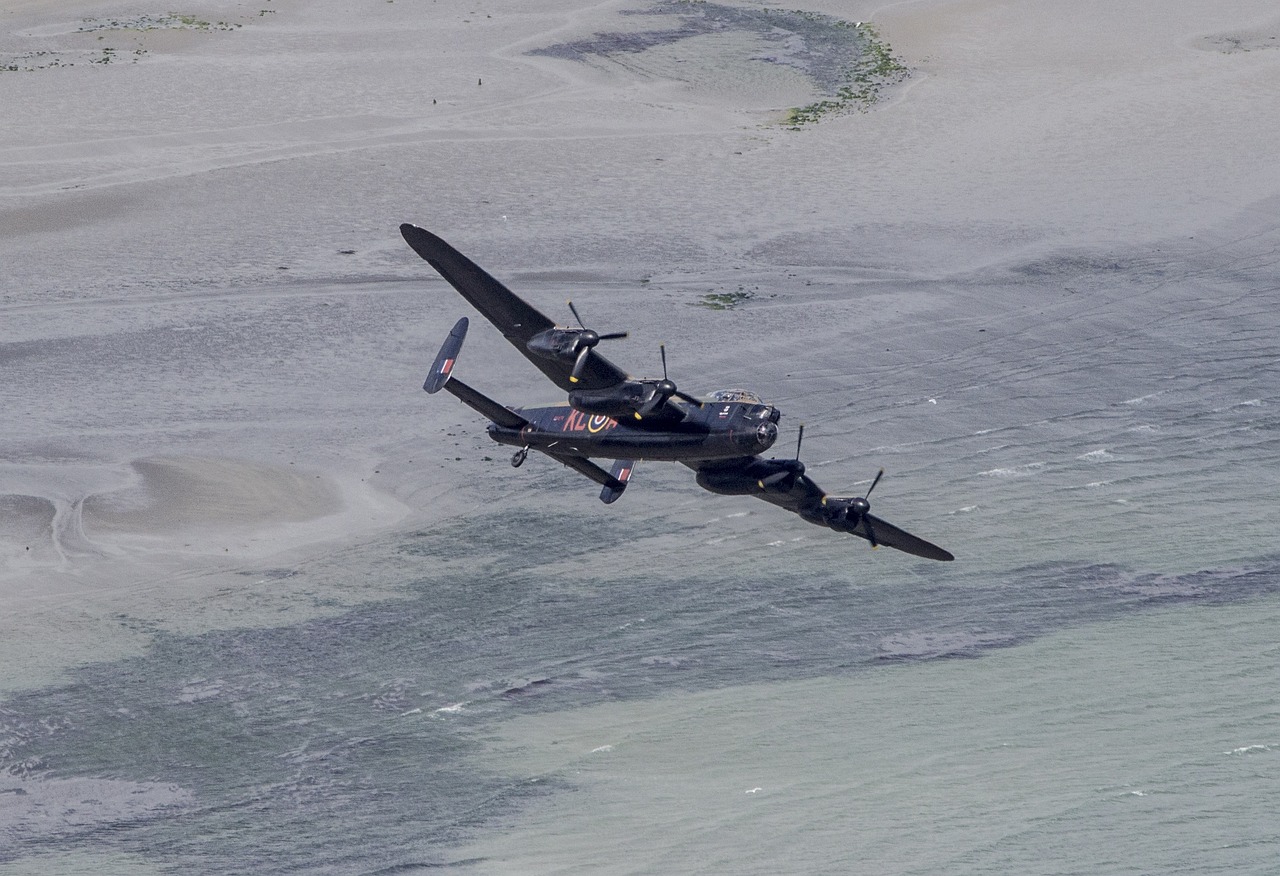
pixel 888 534
pixel 515 318
pixel 805 498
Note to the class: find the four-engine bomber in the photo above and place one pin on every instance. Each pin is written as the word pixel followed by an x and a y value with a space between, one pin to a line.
pixel 611 415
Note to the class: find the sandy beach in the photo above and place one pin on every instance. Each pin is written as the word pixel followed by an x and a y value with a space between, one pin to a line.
pixel 212 337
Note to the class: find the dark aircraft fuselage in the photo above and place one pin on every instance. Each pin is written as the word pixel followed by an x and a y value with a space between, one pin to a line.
pixel 717 430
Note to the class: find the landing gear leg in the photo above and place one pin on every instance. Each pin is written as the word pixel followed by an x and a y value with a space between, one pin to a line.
pixel 518 458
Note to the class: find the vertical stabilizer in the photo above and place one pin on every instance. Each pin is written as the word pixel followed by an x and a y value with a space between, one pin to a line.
pixel 621 474
pixel 443 365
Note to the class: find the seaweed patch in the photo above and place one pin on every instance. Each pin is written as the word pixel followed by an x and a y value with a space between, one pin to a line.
pixel 847 62
pixel 75 53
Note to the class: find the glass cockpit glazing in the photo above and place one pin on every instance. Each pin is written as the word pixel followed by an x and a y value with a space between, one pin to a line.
pixel 758 410
pixel 736 395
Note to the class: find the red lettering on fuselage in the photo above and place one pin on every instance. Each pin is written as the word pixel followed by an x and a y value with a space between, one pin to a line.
pixel 577 421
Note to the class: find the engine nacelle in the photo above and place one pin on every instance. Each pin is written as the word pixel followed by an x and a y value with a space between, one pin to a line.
pixel 762 475
pixel 727 482
pixel 619 402
pixel 622 401
pixel 843 514
pixel 557 343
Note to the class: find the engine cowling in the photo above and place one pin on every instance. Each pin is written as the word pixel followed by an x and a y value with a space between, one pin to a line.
pixel 619 402
pixel 767 475
pixel 727 482
pixel 560 344
pixel 843 514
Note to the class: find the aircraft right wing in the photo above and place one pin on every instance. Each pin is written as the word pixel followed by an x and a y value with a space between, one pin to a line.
pixel 515 318
pixel 779 483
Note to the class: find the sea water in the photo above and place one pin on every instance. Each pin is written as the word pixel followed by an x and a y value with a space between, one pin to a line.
pixel 1066 719
pixel 690 683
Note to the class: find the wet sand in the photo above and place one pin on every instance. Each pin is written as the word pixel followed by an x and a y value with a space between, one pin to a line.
pixel 212 335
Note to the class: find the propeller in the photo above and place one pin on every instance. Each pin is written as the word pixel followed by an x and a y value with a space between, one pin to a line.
pixel 584 341
pixel 863 507
pixel 784 480
pixel 860 508
pixel 663 390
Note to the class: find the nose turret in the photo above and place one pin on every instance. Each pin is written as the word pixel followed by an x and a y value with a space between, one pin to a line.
pixel 766 434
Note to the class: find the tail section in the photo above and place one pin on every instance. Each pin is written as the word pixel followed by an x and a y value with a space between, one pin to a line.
pixel 620 474
pixel 439 378
pixel 443 365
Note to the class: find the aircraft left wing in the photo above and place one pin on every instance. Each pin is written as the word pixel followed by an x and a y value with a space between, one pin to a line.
pixel 515 318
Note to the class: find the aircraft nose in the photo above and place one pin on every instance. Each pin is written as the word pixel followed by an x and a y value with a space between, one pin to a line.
pixel 766 434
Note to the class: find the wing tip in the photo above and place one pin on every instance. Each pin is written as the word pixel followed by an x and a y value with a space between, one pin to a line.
pixel 421 240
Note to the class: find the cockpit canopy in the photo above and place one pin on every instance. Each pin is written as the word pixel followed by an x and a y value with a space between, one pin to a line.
pixel 736 395
pixel 758 410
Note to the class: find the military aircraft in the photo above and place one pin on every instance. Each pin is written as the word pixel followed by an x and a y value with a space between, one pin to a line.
pixel 611 415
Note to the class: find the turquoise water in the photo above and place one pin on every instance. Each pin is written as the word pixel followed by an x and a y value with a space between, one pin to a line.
pixel 1065 719
pixel 1146 744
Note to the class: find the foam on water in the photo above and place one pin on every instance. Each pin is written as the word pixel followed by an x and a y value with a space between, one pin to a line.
pixel 1249 749
pixel 1030 468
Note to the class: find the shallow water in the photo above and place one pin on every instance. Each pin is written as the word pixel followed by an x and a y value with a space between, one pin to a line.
pixel 1143 744
pixel 1055 719
pixel 683 682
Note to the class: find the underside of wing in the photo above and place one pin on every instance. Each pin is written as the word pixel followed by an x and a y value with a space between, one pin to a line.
pixel 888 534
pixel 518 321
pixel 782 482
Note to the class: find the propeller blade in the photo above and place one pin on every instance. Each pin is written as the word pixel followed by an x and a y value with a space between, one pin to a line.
pixel 879 475
pixel 696 402
pixel 794 466
pixel 579 364
pixel 791 469
pixel 777 479
pixel 663 390
pixel 855 514
pixel 585 340
pixel 864 511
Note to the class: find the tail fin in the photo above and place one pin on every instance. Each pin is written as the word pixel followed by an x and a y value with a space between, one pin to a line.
pixel 440 369
pixel 613 482
pixel 621 474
